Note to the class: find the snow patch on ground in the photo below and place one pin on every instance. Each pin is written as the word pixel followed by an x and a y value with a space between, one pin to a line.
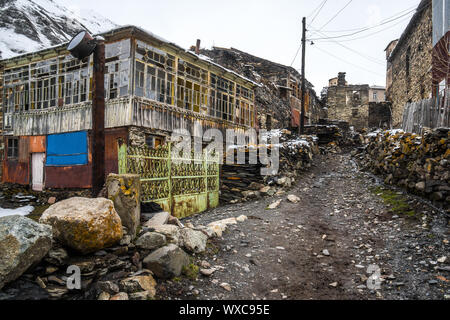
pixel 22 211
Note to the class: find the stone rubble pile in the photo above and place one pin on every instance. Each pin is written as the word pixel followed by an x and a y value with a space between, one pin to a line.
pixel 325 133
pixel 114 265
pixel 420 164
pixel 245 182
pixel 333 135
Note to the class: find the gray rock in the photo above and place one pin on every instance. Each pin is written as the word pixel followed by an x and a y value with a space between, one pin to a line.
pixel 171 232
pixel 167 262
pixel 104 296
pixel 126 240
pixel 158 219
pixel 120 296
pixel 207 272
pixel 57 256
pixel 23 243
pixel 124 191
pixel 151 241
pixel 421 186
pixel 139 284
pixel 108 287
pixel 193 241
pixel 144 295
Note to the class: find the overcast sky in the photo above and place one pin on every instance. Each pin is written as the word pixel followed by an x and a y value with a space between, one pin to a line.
pixel 271 29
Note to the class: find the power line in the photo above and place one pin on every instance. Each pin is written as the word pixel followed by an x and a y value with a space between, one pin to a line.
pixel 319 8
pixel 298 50
pixel 334 17
pixel 357 29
pixel 370 34
pixel 345 61
pixel 368 28
pixel 323 4
pixel 369 58
pixel 362 30
pixel 309 15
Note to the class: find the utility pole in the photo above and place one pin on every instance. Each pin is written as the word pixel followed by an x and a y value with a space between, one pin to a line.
pixel 82 46
pixel 98 119
pixel 302 113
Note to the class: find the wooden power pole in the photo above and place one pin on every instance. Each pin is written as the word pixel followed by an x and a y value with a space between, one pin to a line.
pixel 82 46
pixel 98 119
pixel 302 113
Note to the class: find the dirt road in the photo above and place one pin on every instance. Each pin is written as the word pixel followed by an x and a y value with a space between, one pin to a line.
pixel 322 247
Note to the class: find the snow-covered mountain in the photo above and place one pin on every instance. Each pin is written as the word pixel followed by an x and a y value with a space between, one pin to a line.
pixel 30 25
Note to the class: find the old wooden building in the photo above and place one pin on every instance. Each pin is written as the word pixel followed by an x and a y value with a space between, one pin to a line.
pixel 152 87
pixel 279 97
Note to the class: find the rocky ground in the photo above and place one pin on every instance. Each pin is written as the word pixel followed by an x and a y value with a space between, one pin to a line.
pixel 324 239
pixel 322 246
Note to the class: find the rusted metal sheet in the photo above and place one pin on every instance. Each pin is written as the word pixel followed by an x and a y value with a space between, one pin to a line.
pixel 24 149
pixel 295 118
pixel 76 177
pixel 37 144
pixel 112 137
pixel 15 172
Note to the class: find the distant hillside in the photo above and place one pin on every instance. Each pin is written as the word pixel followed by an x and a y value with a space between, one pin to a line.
pixel 30 25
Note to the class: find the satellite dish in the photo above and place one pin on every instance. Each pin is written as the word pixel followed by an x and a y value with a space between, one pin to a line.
pixel 82 45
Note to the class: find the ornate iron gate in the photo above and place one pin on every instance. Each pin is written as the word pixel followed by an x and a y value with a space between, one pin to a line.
pixel 180 186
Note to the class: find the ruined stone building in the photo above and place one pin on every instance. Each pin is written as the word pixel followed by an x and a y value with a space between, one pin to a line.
pixel 409 63
pixel 152 87
pixel 362 106
pixel 278 99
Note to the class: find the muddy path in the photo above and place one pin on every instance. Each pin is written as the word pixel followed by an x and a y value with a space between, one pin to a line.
pixel 321 247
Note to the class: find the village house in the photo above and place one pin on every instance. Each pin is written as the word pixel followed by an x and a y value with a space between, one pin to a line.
pixel 377 94
pixel 152 86
pixel 409 77
pixel 362 106
pixel 441 50
pixel 279 97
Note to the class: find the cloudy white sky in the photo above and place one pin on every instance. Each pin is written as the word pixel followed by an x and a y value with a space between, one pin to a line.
pixel 272 29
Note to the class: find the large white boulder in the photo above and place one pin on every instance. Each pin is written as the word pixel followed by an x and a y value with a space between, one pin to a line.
pixel 86 225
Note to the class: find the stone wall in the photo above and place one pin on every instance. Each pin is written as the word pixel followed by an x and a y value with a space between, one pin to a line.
pixel 414 48
pixel 419 164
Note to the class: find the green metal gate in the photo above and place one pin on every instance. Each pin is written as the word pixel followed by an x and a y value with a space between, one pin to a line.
pixel 180 186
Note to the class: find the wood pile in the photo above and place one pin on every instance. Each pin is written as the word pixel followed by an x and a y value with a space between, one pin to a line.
pixel 245 182
pixel 420 164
